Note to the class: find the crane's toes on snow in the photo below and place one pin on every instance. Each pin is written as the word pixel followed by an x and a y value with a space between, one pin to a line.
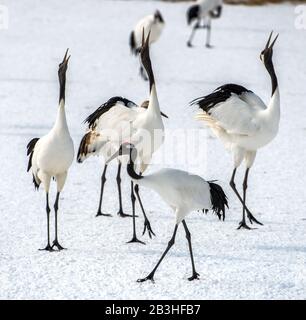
pixel 101 214
pixel 147 226
pixel 189 44
pixel 57 245
pixel 124 215
pixel 47 248
pixel 149 277
pixel 135 240
pixel 194 276
pixel 243 225
pixel 253 219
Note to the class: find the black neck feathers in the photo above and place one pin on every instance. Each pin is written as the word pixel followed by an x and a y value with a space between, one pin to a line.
pixel 270 69
pixel 131 166
pixel 62 81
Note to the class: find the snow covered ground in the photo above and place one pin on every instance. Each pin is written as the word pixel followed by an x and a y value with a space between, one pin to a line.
pixel 267 263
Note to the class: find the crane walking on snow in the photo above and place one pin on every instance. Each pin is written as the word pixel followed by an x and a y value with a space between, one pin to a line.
pixel 202 12
pixel 52 155
pixel 183 192
pixel 243 122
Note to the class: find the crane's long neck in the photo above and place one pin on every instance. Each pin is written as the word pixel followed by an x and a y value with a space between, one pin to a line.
pixel 273 109
pixel 153 107
pixel 271 71
pixel 61 121
pixel 131 166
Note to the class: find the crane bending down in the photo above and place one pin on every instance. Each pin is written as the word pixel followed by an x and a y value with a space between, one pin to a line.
pixel 153 23
pixel 183 192
pixel 202 12
pixel 242 121
pixel 52 155
pixel 121 120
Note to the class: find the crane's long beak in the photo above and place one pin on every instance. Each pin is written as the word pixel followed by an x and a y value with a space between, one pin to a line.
pixel 164 115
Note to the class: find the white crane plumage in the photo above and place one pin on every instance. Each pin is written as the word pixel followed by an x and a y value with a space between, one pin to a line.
pixel 242 121
pixel 51 155
pixel 153 23
pixel 202 12
pixel 120 120
pixel 182 191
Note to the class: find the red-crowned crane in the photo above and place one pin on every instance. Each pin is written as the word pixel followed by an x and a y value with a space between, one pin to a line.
pixel 183 192
pixel 201 13
pixel 153 23
pixel 243 122
pixel 51 155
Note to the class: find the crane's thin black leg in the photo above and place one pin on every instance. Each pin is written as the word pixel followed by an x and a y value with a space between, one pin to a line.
pixel 147 225
pixel 48 247
pixel 120 212
pixel 55 242
pixel 103 180
pixel 170 244
pixel 233 186
pixel 194 29
pixel 134 238
pixel 243 224
pixel 208 34
pixel 195 275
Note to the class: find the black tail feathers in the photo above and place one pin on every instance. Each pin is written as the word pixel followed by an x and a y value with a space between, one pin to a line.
pixel 218 200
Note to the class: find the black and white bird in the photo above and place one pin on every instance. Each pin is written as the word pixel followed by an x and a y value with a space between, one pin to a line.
pixel 120 120
pixel 183 192
pixel 153 23
pixel 51 155
pixel 200 15
pixel 244 123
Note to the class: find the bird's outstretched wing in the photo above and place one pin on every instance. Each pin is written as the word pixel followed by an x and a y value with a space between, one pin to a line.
pixel 232 108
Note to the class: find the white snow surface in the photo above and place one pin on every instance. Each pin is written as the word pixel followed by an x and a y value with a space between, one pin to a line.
pixel 266 263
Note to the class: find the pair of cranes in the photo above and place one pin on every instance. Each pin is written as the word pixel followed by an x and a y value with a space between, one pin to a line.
pixel 236 115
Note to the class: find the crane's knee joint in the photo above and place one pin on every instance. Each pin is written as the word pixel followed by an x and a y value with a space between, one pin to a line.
pixel 133 197
pixel 188 235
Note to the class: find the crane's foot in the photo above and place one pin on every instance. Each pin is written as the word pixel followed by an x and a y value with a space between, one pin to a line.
pixel 47 248
pixel 135 240
pixel 149 277
pixel 209 46
pixel 189 45
pixel 147 227
pixel 57 245
pixel 101 214
pixel 124 215
pixel 194 276
pixel 243 225
pixel 253 219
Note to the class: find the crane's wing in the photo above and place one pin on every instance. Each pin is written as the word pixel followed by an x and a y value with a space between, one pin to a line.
pixel 231 107
pixel 30 151
pixel 114 104
pixel 109 125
